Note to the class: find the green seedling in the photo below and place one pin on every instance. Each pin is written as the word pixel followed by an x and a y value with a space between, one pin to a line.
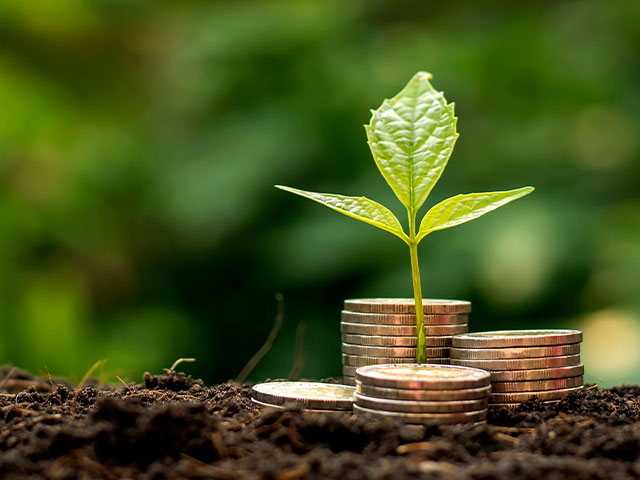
pixel 411 137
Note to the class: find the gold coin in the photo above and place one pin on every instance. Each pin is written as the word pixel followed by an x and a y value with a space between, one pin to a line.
pixel 403 318
pixel 520 363
pixel 517 338
pixel 406 305
pixel 536 385
pixel 420 394
pixel 514 352
pixel 537 374
pixel 415 406
pixel 524 396
pixel 399 330
pixel 326 396
pixel 362 360
pixel 423 376
pixel 369 351
pixel 395 341
pixel 419 418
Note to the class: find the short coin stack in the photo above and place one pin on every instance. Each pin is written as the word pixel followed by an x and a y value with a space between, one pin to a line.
pixel 524 363
pixel 420 393
pixel 383 330
pixel 312 396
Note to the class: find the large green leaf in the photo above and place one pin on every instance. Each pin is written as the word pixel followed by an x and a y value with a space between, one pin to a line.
pixel 464 208
pixel 411 137
pixel 360 208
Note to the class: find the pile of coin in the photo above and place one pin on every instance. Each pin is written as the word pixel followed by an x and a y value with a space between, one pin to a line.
pixel 383 330
pixel 419 393
pixel 312 396
pixel 524 363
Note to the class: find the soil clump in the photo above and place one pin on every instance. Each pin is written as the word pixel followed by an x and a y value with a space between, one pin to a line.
pixel 174 426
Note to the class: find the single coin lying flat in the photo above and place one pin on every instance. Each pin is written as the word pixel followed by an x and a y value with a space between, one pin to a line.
pixel 424 395
pixel 395 341
pixel 312 395
pixel 364 360
pixel 403 318
pixel 536 385
pixel 537 374
pixel 520 363
pixel 406 305
pixel 517 338
pixel 401 330
pixel 423 376
pixel 454 417
pixel 514 352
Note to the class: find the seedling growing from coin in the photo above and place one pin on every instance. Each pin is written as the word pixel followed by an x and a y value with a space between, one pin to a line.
pixel 411 137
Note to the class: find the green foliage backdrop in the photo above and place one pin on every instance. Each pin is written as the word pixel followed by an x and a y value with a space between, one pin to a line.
pixel 140 141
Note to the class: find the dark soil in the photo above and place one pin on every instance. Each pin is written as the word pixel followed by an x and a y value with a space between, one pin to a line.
pixel 174 426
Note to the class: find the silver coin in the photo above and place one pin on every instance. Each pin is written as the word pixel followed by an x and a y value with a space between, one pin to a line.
pixel 422 406
pixel 395 341
pixel 280 407
pixel 406 305
pixel 517 338
pixel 369 351
pixel 361 360
pixel 420 394
pixel 423 376
pixel 536 385
pixel 315 395
pixel 520 363
pixel 514 352
pixel 418 418
pixel 524 396
pixel 403 319
pixel 537 374
pixel 400 330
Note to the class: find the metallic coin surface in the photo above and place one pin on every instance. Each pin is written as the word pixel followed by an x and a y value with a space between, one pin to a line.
pixel 370 351
pixel 406 330
pixel 510 405
pixel 315 395
pixel 406 305
pixel 454 417
pixel 423 376
pixel 280 407
pixel 524 396
pixel 362 360
pixel 403 318
pixel 536 385
pixel 421 406
pixel 395 341
pixel 514 352
pixel 349 380
pixel 420 394
pixel 520 363
pixel 537 374
pixel 517 338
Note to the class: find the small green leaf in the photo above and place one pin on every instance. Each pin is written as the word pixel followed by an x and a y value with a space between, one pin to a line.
pixel 464 208
pixel 411 137
pixel 360 208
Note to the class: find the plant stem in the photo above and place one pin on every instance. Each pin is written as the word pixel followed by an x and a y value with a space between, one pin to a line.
pixel 417 289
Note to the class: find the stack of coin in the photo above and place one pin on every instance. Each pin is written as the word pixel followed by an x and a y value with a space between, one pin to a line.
pixel 383 330
pixel 419 393
pixel 524 363
pixel 312 396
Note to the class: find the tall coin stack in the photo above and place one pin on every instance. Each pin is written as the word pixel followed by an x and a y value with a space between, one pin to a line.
pixel 383 330
pixel 419 393
pixel 524 363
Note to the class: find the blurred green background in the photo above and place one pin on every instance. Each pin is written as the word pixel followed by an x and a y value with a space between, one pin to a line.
pixel 140 141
